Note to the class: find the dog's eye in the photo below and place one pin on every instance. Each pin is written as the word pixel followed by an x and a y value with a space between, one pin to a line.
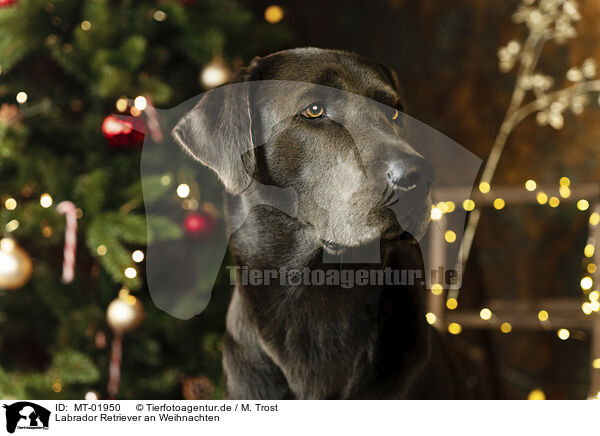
pixel 397 117
pixel 313 110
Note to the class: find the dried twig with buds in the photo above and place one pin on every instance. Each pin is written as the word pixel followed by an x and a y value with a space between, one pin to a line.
pixel 546 20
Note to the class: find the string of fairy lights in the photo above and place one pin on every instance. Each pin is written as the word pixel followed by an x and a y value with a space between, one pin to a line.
pixel 183 191
pixel 214 73
pixel 591 303
pixel 10 203
pixel 46 201
pixel 217 72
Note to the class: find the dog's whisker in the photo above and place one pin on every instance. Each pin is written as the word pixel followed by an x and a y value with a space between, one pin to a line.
pixel 388 201
pixel 382 198
pixel 390 196
pixel 392 203
pixel 385 190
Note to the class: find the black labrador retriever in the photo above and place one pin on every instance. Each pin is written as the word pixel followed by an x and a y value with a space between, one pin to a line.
pixel 304 340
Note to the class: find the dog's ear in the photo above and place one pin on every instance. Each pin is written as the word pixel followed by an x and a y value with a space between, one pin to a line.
pixel 218 131
pixel 390 75
pixel 392 78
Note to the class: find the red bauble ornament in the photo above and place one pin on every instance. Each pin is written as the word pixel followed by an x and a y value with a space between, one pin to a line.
pixel 199 224
pixel 5 3
pixel 123 132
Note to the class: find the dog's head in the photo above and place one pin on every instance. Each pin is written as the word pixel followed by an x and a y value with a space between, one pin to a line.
pixel 328 124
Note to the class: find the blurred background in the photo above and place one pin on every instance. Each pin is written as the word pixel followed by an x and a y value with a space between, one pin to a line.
pixel 81 324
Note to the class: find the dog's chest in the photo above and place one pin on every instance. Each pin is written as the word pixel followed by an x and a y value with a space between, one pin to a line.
pixel 323 339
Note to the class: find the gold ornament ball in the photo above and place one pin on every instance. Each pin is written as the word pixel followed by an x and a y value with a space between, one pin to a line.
pixel 92 395
pixel 124 313
pixel 15 265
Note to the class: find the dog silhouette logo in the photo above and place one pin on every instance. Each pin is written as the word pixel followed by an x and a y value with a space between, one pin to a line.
pixel 26 415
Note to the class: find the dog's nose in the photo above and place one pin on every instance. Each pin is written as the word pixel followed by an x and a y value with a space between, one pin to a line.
pixel 410 174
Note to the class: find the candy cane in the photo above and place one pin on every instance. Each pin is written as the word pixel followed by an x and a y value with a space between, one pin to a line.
pixel 68 208
pixel 114 368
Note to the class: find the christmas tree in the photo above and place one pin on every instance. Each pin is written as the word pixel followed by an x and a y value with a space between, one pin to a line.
pixel 65 161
